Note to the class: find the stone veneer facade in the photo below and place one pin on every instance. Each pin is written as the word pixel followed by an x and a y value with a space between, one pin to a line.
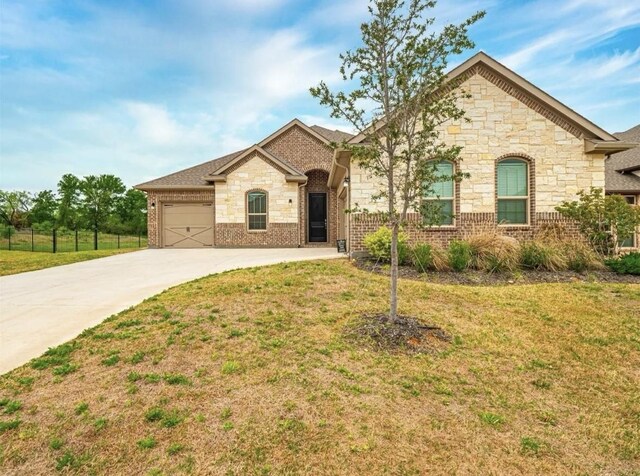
pixel 286 204
pixel 502 124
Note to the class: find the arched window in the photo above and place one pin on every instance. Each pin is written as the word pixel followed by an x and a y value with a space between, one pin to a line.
pixel 442 193
pixel 513 191
pixel 257 210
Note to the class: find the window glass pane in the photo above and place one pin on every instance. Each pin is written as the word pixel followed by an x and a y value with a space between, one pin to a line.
pixel 257 202
pixel 446 212
pixel 444 208
pixel 512 211
pixel 443 189
pixel 628 243
pixel 512 178
pixel 257 222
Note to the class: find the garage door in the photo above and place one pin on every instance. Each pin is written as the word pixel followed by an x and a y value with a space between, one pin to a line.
pixel 187 225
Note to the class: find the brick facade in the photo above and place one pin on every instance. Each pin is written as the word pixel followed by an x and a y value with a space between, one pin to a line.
pixel 467 224
pixel 314 158
pixel 277 235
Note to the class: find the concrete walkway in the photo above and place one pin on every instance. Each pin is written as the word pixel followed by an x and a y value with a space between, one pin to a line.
pixel 42 309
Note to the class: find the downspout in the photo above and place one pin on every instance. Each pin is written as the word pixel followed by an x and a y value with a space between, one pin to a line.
pixel 304 184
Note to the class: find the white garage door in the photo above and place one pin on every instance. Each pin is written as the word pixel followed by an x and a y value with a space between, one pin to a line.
pixel 187 225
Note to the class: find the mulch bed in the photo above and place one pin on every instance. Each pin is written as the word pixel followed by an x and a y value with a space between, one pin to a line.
pixel 405 334
pixel 482 278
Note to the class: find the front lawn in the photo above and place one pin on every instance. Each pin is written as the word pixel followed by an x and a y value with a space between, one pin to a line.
pixel 13 262
pixel 248 372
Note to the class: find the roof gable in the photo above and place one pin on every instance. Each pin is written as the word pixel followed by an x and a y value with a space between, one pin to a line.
pixel 524 91
pixel 291 173
pixel 294 123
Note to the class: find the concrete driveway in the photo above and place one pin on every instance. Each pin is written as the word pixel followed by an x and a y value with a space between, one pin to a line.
pixel 42 309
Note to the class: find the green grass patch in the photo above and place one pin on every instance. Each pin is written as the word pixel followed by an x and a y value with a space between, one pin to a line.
pixel 14 262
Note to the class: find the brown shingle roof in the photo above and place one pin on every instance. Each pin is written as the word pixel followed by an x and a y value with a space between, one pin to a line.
pixel 333 136
pixel 193 176
pixel 616 181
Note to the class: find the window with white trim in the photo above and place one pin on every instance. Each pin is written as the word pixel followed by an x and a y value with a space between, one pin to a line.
pixel 257 211
pixel 513 191
pixel 442 193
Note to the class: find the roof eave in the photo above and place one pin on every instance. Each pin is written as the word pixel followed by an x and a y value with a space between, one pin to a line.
pixel 149 188
pixel 341 159
pixel 633 168
pixel 607 146
pixel 215 178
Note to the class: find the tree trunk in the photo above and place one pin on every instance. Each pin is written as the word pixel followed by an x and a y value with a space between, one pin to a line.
pixel 393 297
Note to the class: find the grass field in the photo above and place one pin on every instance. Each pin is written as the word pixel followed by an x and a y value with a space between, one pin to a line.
pixel 248 372
pixel 13 262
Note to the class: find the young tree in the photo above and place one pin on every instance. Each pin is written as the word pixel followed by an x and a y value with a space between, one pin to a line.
pixel 605 220
pixel 99 196
pixel 15 208
pixel 399 102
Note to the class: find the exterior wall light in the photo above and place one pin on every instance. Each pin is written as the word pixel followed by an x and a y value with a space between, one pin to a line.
pixel 346 182
pixel 153 205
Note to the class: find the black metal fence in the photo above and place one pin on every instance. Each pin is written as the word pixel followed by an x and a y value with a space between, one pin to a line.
pixel 62 240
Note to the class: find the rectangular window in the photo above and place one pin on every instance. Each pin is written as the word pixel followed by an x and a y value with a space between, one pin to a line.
pixel 257 210
pixel 441 195
pixel 513 192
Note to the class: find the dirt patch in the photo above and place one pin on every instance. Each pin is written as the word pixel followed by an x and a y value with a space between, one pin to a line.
pixel 404 334
pixel 482 278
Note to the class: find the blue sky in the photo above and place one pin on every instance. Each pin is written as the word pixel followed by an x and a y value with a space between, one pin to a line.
pixel 142 89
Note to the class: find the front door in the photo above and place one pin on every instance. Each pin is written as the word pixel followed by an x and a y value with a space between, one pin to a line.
pixel 317 217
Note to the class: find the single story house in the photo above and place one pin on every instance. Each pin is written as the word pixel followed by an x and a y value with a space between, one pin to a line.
pixel 622 176
pixel 525 153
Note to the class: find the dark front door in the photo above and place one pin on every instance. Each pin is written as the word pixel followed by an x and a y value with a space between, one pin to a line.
pixel 317 217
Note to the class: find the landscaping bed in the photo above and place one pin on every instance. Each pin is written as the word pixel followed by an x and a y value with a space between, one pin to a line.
pixel 484 278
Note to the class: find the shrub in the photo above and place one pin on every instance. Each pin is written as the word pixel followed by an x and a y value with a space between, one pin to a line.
pixel 378 244
pixel 601 218
pixel 422 257
pixel 459 255
pixel 627 264
pixel 492 252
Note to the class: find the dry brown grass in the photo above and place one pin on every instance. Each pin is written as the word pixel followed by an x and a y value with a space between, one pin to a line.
pixel 540 379
pixel 493 252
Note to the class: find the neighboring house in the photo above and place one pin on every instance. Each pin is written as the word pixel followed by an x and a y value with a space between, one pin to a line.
pixel 622 176
pixel 525 153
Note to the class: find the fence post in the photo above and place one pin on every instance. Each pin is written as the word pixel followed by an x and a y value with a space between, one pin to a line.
pixel 118 240
pixel 32 247
pixel 139 241
pixel 55 240
pixel 9 238
pixel 95 239
pixel 76 238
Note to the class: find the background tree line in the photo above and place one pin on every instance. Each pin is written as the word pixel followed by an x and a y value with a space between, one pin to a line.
pixel 94 202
